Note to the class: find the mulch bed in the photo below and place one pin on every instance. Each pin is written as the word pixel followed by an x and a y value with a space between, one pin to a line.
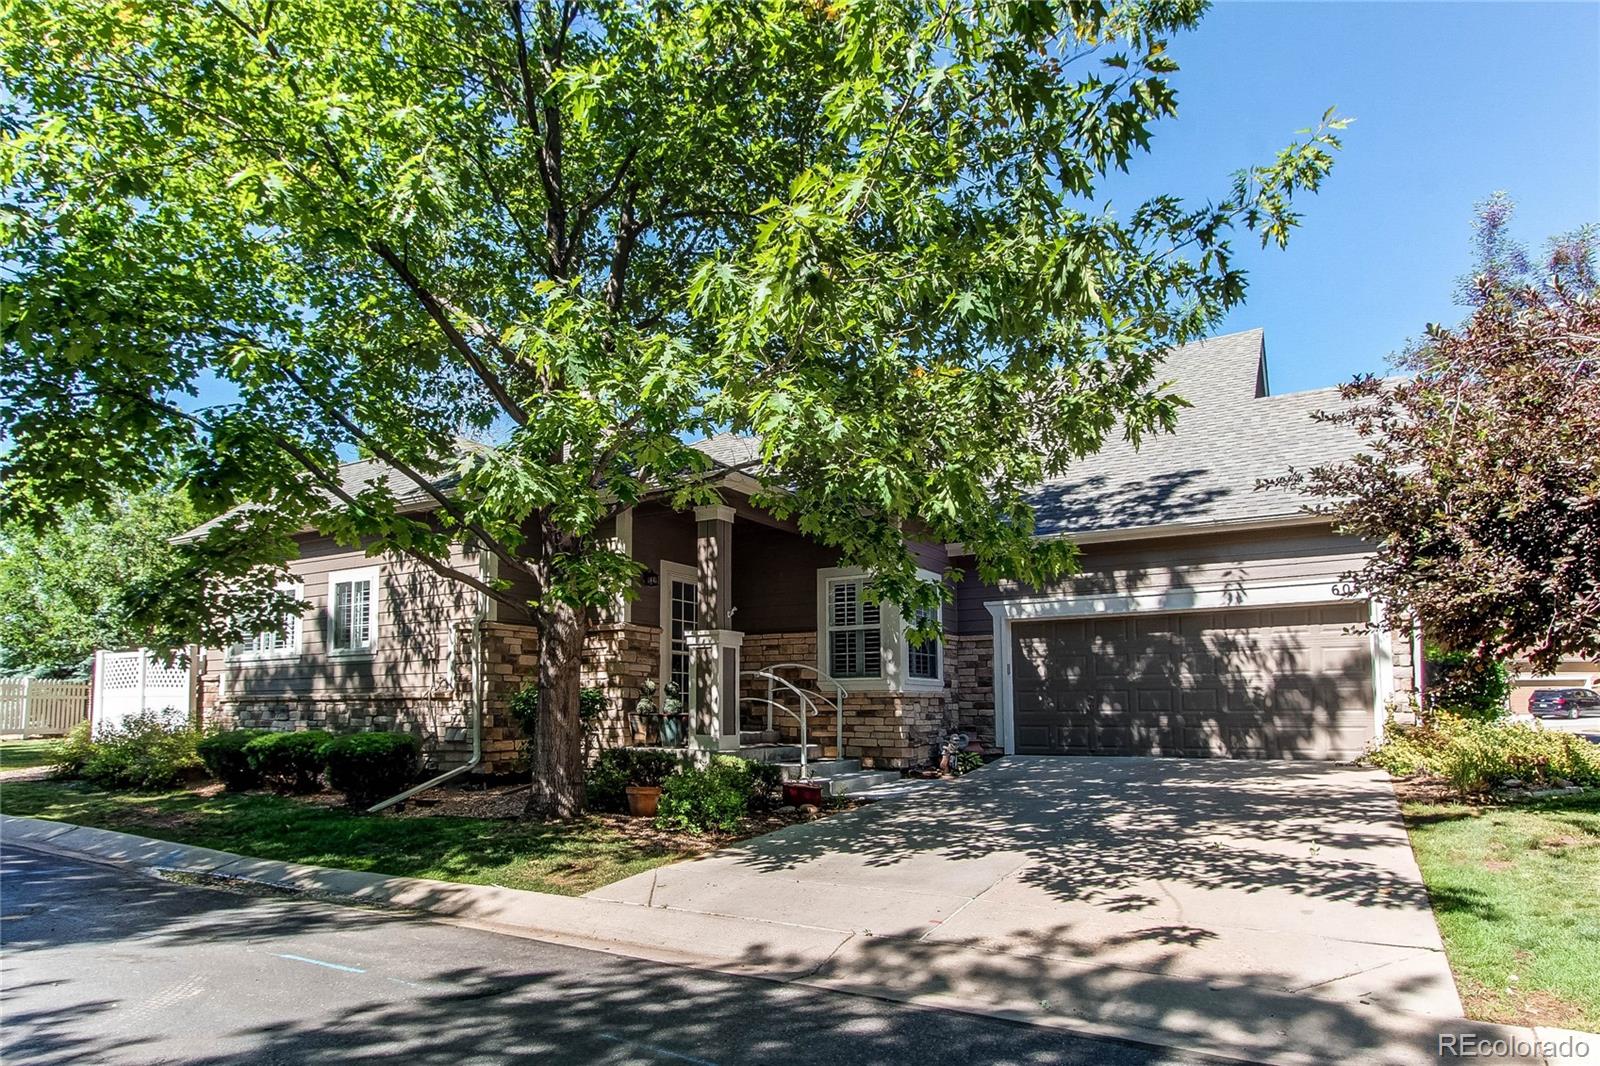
pixel 509 801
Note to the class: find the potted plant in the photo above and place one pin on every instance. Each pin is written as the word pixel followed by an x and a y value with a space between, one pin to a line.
pixel 646 770
pixel 669 730
pixel 800 793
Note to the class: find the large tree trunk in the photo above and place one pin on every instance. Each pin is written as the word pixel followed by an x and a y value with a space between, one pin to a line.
pixel 558 732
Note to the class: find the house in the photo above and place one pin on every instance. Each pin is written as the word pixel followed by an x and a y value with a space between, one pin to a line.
pixel 1208 618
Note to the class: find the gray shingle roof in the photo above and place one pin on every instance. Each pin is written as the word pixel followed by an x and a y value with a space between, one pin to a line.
pixel 1206 471
pixel 354 478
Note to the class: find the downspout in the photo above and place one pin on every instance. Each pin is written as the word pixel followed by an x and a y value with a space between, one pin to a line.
pixel 479 616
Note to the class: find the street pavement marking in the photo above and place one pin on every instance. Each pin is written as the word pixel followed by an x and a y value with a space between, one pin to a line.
pixel 625 1042
pixel 319 962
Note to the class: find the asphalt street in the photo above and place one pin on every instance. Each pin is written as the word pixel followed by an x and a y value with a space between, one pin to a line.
pixel 100 964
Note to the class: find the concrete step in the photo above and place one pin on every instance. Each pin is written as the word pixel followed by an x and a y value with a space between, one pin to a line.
pixel 783 753
pixel 819 767
pixel 860 781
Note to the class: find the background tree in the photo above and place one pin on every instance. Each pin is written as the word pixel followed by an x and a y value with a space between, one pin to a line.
pixel 1481 486
pixel 585 233
pixel 62 589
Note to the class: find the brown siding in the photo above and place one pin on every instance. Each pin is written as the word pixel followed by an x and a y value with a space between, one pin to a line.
pixel 659 533
pixel 1174 564
pixel 418 612
pixel 775 579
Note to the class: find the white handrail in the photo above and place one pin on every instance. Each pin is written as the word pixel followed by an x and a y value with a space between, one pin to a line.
pixel 837 703
pixel 799 716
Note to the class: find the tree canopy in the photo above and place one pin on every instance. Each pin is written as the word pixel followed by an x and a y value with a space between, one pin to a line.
pixel 1481 486
pixel 868 231
pixel 67 590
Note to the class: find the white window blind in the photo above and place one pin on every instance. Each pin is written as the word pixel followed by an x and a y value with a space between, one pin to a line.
pixel 855 636
pixel 352 604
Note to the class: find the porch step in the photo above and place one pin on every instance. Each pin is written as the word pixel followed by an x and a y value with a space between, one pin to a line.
pixel 782 753
pixel 820 767
pixel 859 781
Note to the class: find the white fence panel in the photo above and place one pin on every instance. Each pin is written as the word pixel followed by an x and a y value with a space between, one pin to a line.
pixel 127 682
pixel 40 707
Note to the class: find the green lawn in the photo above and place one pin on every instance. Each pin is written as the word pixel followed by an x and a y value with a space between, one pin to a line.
pixel 19 754
pixel 1516 890
pixel 566 858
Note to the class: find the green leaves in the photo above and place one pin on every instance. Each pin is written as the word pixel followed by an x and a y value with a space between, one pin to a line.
pixel 584 234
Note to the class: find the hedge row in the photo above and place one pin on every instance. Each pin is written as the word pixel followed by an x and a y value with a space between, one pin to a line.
pixel 366 767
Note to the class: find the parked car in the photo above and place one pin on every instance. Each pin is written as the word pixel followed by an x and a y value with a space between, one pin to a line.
pixel 1564 702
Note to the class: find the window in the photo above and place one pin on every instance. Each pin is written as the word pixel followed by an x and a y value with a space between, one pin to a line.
pixel 922 659
pixel 280 643
pixel 864 645
pixel 682 622
pixel 353 611
pixel 855 631
pixel 680 614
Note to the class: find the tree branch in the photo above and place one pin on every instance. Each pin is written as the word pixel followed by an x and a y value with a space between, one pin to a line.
pixel 438 311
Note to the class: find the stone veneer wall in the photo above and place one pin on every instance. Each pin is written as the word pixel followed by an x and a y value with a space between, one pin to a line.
pixel 969 673
pixel 616 658
pixel 880 728
pixel 438 718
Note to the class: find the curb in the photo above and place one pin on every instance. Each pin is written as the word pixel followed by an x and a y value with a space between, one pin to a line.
pixel 936 976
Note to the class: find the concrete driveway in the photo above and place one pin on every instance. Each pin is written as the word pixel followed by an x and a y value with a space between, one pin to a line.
pixel 1259 886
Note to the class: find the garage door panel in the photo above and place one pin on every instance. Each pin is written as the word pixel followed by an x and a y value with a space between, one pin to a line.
pixel 1279 683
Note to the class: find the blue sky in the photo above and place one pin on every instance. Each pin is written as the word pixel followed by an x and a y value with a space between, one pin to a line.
pixel 1452 101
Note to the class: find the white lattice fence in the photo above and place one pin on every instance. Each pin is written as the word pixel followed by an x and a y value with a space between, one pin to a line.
pixel 39 707
pixel 127 682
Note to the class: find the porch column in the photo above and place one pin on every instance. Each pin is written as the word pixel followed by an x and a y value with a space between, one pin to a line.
pixel 716 714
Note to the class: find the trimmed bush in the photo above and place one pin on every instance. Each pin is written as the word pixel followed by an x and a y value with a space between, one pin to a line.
pixel 150 750
pixel 289 762
pixel 368 767
pixel 225 759
pixel 617 768
pixel 74 751
pixel 1475 755
pixel 697 801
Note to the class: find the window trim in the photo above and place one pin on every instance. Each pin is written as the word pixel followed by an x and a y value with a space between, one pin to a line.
pixel 895 649
pixel 238 653
pixel 372 574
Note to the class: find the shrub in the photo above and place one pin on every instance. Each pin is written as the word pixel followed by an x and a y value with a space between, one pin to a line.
pixel 1465 685
pixel 696 801
pixel 617 768
pixel 149 750
pixel 225 759
pixel 766 785
pixel 368 767
pixel 525 709
pixel 1475 755
pixel 968 761
pixel 74 751
pixel 289 762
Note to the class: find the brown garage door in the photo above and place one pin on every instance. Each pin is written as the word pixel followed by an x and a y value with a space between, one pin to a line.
pixel 1285 683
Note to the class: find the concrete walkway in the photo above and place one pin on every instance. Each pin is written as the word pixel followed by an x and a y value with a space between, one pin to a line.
pixel 1264 912
pixel 1254 899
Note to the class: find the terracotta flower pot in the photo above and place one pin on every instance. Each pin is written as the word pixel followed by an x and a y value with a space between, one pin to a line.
pixel 800 793
pixel 642 800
